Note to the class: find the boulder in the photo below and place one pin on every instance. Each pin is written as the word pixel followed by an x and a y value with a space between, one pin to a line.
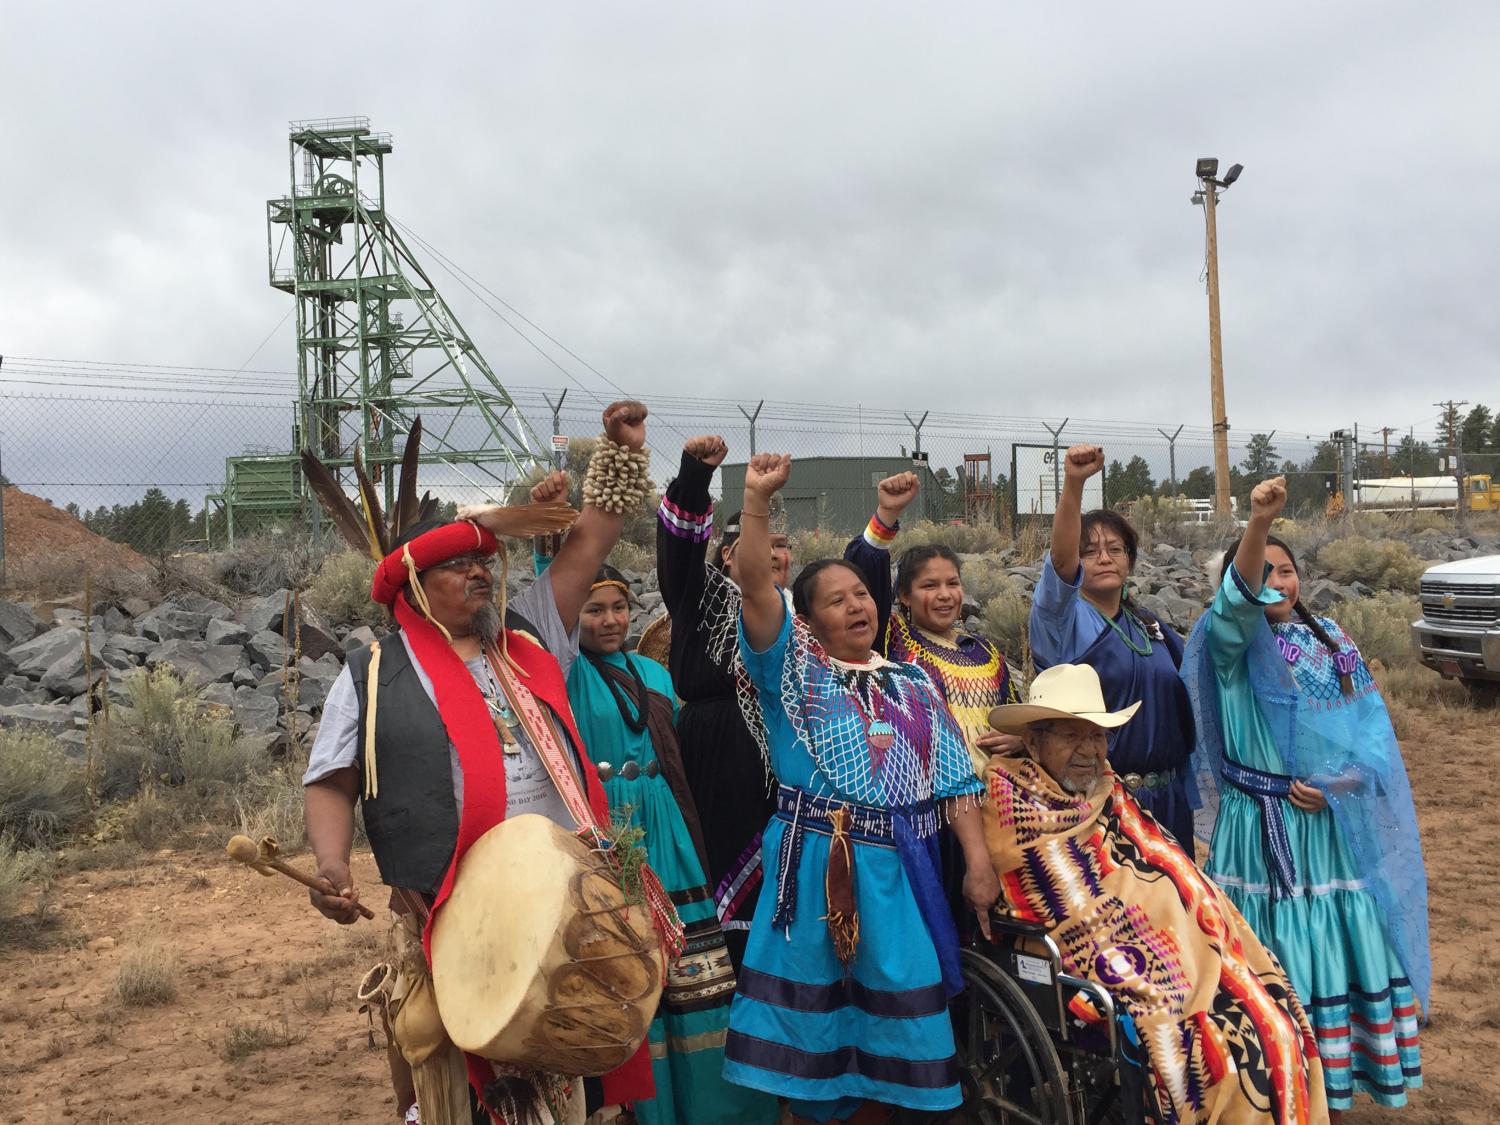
pixel 267 648
pixel 650 602
pixel 265 615
pixel 316 637
pixel 12 694
pixel 67 615
pixel 247 677
pixel 256 712
pixel 198 661
pixel 197 603
pixel 219 695
pixel 7 665
pixel 37 655
pixel 128 645
pixel 358 638
pixel 1320 595
pixel 168 623
pixel 45 718
pixel 226 632
pixel 116 620
pixel 73 743
pixel 17 624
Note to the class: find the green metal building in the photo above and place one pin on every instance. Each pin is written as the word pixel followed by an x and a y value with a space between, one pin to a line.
pixel 837 494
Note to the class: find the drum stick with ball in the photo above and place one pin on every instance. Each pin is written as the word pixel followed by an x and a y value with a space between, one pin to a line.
pixel 263 857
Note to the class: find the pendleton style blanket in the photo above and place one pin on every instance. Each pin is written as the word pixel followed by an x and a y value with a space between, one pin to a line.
pixel 1224 1036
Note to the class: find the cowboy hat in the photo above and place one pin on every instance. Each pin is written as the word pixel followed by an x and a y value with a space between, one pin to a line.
pixel 1064 691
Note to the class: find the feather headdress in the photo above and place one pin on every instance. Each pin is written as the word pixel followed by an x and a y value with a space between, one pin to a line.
pixel 369 529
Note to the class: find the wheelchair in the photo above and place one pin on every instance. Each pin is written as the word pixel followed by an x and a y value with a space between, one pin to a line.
pixel 1037 1046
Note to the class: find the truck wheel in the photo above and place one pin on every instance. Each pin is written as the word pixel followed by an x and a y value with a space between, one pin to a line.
pixel 1484 693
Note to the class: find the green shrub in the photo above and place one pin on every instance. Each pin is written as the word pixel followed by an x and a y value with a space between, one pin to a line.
pixel 43 795
pixel 175 736
pixel 810 546
pixel 629 556
pixel 1381 626
pixel 985 579
pixel 1006 619
pixel 340 591
pixel 965 539
pixel 1385 564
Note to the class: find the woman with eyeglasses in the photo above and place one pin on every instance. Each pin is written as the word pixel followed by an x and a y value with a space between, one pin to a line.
pixel 1082 613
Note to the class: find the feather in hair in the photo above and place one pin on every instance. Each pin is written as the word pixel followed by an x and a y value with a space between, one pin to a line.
pixel 407 508
pixel 340 509
pixel 521 521
pixel 370 501
pixel 427 509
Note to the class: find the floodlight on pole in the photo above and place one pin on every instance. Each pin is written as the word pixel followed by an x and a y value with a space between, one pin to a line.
pixel 1208 197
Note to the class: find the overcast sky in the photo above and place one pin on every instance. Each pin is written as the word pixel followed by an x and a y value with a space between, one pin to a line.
pixel 963 207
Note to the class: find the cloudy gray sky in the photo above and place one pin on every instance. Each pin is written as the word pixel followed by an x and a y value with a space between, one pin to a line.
pixel 964 207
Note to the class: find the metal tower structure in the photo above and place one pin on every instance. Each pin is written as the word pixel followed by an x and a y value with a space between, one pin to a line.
pixel 376 343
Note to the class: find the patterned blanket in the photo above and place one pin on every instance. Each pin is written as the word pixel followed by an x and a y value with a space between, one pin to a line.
pixel 1225 1037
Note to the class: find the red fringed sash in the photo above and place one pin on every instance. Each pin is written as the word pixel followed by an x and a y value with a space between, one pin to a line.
pixel 481 759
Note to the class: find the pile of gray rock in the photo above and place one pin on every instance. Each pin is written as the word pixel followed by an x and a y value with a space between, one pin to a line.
pixel 236 658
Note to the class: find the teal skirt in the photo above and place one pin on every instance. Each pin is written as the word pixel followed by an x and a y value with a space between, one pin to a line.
pixel 687 1036
pixel 1329 939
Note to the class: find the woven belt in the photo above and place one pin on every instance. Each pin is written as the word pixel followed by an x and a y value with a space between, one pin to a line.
pixel 1135 782
pixel 1268 791
pixel 803 812
pixel 629 771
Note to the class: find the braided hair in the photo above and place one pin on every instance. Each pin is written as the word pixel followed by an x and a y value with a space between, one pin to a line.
pixel 1346 682
pixel 1104 520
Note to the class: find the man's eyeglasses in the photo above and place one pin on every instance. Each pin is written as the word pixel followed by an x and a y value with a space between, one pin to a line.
pixel 467 562
pixel 1114 551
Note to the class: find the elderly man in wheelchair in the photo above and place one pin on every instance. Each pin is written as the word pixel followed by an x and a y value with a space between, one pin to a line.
pixel 1121 983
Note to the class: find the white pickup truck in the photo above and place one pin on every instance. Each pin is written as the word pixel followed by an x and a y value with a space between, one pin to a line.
pixel 1459 630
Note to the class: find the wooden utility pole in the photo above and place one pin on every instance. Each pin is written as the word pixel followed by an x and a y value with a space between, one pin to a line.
pixel 1385 450
pixel 1216 358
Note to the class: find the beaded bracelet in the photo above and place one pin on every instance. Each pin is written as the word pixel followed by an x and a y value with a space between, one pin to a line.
pixel 618 479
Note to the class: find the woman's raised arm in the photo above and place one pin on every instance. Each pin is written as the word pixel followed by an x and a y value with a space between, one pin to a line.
pixel 763 610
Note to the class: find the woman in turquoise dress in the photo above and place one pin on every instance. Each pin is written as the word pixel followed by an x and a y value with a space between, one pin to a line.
pixel 843 996
pixel 1315 840
pixel 625 708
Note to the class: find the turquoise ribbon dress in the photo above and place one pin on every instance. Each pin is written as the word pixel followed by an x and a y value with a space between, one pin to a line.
pixel 687 1035
pixel 1351 930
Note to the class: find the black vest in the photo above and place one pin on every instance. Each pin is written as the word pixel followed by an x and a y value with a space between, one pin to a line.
pixel 413 824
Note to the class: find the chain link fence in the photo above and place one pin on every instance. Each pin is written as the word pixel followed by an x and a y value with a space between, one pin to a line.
pixel 149 472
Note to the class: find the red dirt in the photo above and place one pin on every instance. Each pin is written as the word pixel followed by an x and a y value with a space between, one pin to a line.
pixel 40 537
pixel 253 952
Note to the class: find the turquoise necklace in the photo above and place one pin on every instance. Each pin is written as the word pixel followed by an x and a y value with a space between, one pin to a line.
pixel 1123 634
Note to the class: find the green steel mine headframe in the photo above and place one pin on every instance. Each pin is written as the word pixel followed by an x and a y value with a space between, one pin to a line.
pixel 376 343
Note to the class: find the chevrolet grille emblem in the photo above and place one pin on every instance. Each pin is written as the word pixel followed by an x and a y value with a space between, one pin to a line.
pixel 1448 601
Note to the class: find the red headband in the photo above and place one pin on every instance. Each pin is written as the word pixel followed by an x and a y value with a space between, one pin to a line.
pixel 436 546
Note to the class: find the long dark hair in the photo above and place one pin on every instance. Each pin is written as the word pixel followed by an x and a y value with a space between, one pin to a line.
pixel 803 585
pixel 915 558
pixel 1105 520
pixel 1302 612
pixel 727 539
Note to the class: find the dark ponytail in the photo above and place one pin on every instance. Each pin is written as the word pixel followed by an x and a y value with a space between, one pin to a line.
pixel 1346 681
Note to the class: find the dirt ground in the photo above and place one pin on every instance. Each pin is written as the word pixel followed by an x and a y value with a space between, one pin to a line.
pixel 258 968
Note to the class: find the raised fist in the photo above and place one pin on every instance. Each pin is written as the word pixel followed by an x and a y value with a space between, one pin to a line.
pixel 767 473
pixel 551 489
pixel 1083 461
pixel 1268 498
pixel 898 491
pixel 710 449
pixel 625 423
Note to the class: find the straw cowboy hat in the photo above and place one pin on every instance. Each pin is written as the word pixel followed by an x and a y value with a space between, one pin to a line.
pixel 1064 691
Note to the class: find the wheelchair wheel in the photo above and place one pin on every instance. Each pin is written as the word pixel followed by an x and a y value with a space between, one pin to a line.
pixel 1009 1069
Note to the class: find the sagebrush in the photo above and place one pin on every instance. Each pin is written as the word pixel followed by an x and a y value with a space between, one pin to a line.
pixel 1384 564
pixel 42 794
pixel 148 975
pixel 1381 626
pixel 340 591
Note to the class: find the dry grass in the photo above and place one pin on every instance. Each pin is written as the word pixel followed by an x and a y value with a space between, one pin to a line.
pixel 246 1039
pixel 18 869
pixel 42 794
pixel 148 975
pixel 1006 617
pixel 810 546
pixel 632 557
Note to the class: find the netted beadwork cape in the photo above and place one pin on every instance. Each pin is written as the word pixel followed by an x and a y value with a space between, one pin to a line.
pixel 1344 745
pixel 833 706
